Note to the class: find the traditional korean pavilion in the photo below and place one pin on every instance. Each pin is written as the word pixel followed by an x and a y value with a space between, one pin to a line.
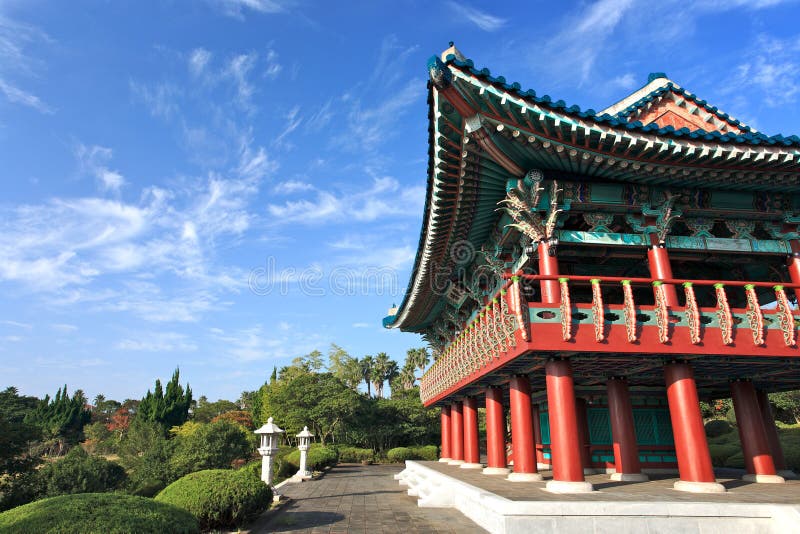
pixel 594 275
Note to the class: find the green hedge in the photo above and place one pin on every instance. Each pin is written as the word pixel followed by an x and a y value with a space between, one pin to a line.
pixel 426 452
pixel 721 453
pixel 219 498
pixel 98 513
pixel 718 427
pixel 318 458
pixel 79 472
pixel 400 455
pixel 355 455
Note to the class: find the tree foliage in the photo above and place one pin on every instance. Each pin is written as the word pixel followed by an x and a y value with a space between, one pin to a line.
pixel 61 418
pixel 170 408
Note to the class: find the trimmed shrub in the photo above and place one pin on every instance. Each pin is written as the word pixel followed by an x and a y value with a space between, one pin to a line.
pixel 219 498
pixel 78 472
pixel 426 452
pixel 400 455
pixel 355 455
pixel 721 453
pixel 718 427
pixel 318 458
pixel 212 446
pixel 106 513
pixel 735 460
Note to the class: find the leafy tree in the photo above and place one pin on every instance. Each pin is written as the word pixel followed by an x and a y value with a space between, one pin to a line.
pixel 15 433
pixel 314 360
pixel 212 446
pixel 274 376
pixel 103 409
pixel 141 436
pixel 207 411
pixel 241 418
pixel 319 400
pixel 407 376
pixel 787 404
pixel 383 369
pixel 419 358
pixel 367 363
pixel 61 419
pixel 79 472
pixel 170 408
pixel 344 367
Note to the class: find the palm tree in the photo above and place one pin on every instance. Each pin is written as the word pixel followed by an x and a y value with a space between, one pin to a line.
pixel 390 374
pixel 367 365
pixel 419 358
pixel 379 368
pixel 407 377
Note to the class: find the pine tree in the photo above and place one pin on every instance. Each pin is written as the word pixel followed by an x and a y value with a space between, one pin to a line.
pixel 170 408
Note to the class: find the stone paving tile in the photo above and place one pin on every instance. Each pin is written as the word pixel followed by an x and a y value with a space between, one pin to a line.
pixel 352 498
pixel 659 488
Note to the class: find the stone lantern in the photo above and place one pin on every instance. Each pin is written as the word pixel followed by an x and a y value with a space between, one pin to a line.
pixel 270 437
pixel 303 440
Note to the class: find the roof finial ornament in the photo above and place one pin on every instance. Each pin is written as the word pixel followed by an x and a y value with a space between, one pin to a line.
pixel 452 50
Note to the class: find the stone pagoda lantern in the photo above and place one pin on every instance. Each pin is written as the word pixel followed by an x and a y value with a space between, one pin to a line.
pixel 303 441
pixel 270 438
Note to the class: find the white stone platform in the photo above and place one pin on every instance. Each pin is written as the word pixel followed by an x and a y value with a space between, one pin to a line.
pixel 599 512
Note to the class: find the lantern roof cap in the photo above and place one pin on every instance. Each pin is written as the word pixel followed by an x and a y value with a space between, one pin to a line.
pixel 305 433
pixel 269 428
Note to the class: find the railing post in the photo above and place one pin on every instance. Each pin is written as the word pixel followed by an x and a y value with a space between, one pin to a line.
pixel 548 266
pixel 658 262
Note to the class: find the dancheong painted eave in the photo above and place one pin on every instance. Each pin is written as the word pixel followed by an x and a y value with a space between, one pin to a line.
pixel 495 130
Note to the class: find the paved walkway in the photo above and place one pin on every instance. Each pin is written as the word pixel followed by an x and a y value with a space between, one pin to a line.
pixel 359 499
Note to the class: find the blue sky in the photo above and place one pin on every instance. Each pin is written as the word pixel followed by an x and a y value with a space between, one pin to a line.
pixel 223 185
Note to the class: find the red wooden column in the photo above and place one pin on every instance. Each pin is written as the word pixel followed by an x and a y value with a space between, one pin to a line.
pixel 495 433
pixel 457 434
pixel 623 433
pixel 564 442
pixel 537 438
pixel 522 431
pixel 691 447
pixel 658 262
pixel 755 445
pixel 471 452
pixel 772 435
pixel 444 452
pixel 793 264
pixel 551 292
pixel 582 416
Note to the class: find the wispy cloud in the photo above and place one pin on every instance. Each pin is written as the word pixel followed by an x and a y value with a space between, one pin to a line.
pixel 237 8
pixel 385 198
pixel 293 121
pixel 17 324
pixel 291 186
pixel 15 62
pixel 157 342
pixel 481 19
pixel 273 66
pixel 198 61
pixel 161 99
pixel 93 160
pixel 772 68
pixel 63 327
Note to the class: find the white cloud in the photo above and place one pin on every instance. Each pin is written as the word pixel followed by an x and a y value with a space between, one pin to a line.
pixel 771 67
pixel 17 324
pixel 18 96
pixel 63 327
pixel 160 99
pixel 385 198
pixel 273 66
pixel 236 8
pixel 15 62
pixel 320 118
pixel 291 186
pixel 624 81
pixel 198 61
pixel 238 69
pixel 293 120
pixel 362 325
pixel 481 19
pixel 93 160
pixel 157 342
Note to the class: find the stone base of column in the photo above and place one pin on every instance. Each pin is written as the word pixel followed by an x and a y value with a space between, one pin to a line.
pixel 496 470
pixel 787 474
pixel 445 459
pixel 565 486
pixel 471 466
pixel 455 462
pixel 699 487
pixel 629 477
pixel 764 479
pixel 543 467
pixel 524 477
